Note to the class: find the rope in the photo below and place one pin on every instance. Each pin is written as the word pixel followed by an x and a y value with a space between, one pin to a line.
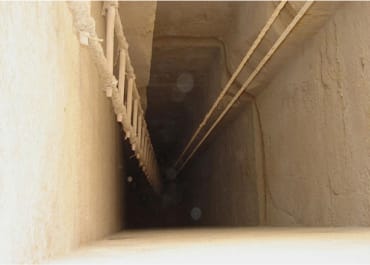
pixel 85 23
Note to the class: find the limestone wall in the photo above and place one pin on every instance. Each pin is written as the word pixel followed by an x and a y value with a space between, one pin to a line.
pixel 316 119
pixel 312 165
pixel 61 170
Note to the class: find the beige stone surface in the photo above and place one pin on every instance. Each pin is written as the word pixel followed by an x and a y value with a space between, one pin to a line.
pixel 138 24
pixel 315 119
pixel 61 150
pixel 60 147
pixel 229 246
pixel 314 106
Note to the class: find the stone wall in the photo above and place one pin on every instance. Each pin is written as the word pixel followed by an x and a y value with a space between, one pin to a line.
pixel 303 158
pixel 315 119
pixel 61 169
pixel 221 178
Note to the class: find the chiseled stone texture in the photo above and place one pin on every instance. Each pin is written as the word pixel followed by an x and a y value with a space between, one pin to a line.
pixel 316 122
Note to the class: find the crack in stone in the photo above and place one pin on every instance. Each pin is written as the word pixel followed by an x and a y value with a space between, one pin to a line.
pixel 267 190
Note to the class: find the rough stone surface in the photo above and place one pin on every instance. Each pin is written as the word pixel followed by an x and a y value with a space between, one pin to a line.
pixel 61 171
pixel 314 113
pixel 60 147
pixel 186 40
pixel 138 25
pixel 222 181
pixel 192 18
pixel 315 119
